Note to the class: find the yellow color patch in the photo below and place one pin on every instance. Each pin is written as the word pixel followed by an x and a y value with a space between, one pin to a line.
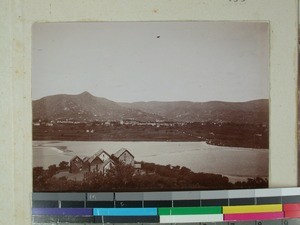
pixel 252 208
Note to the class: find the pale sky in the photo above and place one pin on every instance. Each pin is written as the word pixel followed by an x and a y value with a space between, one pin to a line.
pixel 152 61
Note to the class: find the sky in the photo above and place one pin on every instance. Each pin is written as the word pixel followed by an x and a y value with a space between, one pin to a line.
pixel 152 61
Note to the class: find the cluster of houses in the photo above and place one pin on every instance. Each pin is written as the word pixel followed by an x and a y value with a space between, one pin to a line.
pixel 101 161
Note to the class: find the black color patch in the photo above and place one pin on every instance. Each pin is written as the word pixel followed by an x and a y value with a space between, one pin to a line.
pixel 100 204
pixel 76 219
pixel 158 204
pixel 290 199
pixel 268 200
pixel 130 219
pixel 242 201
pixel 185 203
pixel 72 204
pixel 214 202
pixel 129 204
pixel 44 204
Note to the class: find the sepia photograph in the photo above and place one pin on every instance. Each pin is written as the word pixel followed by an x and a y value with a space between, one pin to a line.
pixel 150 106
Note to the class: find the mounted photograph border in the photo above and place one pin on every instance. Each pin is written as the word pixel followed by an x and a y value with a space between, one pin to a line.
pixel 17 18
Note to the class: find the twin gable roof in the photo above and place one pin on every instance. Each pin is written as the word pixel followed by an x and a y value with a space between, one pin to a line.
pixel 121 152
pixel 74 158
pixel 108 161
pixel 97 155
pixel 100 152
pixel 92 158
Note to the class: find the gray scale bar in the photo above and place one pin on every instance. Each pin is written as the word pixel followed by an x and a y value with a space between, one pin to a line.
pixel 46 196
pixel 290 191
pixel 157 196
pixel 100 196
pixel 241 201
pixel 186 195
pixel 209 195
pixel 268 192
pixel 268 200
pixel 127 196
pixel 241 193
pixel 261 196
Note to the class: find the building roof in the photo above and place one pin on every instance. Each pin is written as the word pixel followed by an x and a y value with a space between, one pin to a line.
pixel 100 152
pixel 76 156
pixel 107 161
pixel 93 157
pixel 85 159
pixel 121 151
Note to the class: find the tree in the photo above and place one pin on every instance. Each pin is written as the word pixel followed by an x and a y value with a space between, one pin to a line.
pixel 120 175
pixel 52 170
pixel 39 178
pixel 63 165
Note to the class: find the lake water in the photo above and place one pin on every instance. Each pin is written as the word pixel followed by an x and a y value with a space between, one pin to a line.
pixel 197 156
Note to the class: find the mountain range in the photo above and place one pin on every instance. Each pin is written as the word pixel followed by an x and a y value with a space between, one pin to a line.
pixel 87 108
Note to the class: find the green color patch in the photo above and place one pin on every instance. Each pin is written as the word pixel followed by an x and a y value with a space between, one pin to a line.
pixel 190 210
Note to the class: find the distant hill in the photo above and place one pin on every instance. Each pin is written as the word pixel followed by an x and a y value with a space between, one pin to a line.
pixel 86 108
pixel 243 112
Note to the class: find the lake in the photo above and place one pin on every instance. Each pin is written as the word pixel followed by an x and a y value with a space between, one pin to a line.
pixel 234 162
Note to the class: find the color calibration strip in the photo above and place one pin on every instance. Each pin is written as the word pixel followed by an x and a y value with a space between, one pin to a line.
pixel 95 208
pixel 177 215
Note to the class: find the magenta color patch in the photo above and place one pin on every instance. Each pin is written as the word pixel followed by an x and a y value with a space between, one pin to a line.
pixel 253 216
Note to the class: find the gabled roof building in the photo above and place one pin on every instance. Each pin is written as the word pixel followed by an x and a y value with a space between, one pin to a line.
pixel 101 161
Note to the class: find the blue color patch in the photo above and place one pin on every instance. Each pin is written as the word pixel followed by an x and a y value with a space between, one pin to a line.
pixel 125 211
pixel 62 211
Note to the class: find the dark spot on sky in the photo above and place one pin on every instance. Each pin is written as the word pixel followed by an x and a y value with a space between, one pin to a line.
pixel 157 36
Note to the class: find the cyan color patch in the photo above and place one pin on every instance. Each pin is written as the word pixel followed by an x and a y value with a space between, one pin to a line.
pixel 125 211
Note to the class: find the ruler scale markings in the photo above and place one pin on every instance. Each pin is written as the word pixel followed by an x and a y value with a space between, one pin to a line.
pixel 291 222
pixel 269 222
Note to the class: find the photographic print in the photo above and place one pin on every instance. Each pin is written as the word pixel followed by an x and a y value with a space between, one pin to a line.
pixel 150 106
